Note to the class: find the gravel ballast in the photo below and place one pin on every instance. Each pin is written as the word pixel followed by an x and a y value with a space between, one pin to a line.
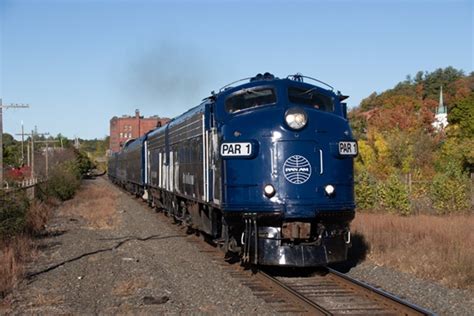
pixel 161 274
pixel 430 295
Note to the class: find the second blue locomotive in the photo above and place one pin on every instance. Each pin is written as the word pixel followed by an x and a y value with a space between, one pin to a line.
pixel 264 167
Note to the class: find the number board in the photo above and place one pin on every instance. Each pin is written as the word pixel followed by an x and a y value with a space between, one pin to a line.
pixel 236 149
pixel 348 148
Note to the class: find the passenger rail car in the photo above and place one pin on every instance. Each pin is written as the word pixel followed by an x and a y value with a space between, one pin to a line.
pixel 264 167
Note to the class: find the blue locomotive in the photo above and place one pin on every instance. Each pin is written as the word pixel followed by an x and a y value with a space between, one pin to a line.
pixel 264 167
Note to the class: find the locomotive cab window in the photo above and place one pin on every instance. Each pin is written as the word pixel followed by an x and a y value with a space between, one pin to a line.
pixel 249 98
pixel 312 98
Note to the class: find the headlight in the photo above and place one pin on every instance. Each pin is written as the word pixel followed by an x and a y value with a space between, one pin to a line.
pixel 296 118
pixel 329 189
pixel 269 190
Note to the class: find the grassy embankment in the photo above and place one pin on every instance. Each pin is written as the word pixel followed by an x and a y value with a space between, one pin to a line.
pixel 431 247
pixel 22 220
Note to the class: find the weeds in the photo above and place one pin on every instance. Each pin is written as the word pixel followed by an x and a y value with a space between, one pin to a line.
pixel 13 210
pixel 13 254
pixel 22 219
pixel 16 243
pixel 37 217
pixel 95 204
pixel 431 247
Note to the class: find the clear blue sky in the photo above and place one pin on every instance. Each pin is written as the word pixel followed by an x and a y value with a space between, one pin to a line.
pixel 78 63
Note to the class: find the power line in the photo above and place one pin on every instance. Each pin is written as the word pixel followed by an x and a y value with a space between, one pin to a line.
pixel 31 162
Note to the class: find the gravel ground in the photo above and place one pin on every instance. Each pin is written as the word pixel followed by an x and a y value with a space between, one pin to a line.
pixel 432 296
pixel 143 266
pixel 163 274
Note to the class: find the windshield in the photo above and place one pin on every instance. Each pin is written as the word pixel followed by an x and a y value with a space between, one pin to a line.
pixel 311 97
pixel 249 98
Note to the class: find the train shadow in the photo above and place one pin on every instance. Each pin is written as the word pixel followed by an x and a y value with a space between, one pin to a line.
pixel 355 255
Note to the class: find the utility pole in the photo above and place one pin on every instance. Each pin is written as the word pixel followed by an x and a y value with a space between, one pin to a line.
pixel 61 140
pixel 47 152
pixel 32 166
pixel 28 163
pixel 28 147
pixel 76 143
pixel 33 134
pixel 22 134
pixel 22 144
pixel 6 106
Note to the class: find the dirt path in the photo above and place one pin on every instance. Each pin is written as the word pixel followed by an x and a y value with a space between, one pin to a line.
pixel 106 253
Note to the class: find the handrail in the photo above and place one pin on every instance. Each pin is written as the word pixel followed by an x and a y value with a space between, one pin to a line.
pixel 299 77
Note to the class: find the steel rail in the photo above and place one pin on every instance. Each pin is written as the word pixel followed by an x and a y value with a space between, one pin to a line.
pixel 386 299
pixel 311 307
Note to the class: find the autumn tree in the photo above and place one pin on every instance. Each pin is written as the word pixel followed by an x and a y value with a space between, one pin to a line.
pixel 396 138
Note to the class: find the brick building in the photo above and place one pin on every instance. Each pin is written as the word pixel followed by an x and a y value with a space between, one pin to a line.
pixel 130 127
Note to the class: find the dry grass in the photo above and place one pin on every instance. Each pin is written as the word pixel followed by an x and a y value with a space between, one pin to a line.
pixel 46 299
pixel 431 247
pixel 37 216
pixel 96 204
pixel 128 288
pixel 16 250
pixel 13 255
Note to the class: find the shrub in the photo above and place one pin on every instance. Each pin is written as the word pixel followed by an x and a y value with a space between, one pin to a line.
pixel 365 191
pixel 82 163
pixel 393 195
pixel 449 192
pixel 63 182
pixel 13 209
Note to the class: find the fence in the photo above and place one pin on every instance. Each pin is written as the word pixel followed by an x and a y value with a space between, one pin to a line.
pixel 27 185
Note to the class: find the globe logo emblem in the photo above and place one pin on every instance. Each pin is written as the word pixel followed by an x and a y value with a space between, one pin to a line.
pixel 297 169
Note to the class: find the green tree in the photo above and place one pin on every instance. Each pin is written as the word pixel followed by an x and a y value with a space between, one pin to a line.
pixel 462 114
pixel 440 77
pixel 11 151
pixel 393 196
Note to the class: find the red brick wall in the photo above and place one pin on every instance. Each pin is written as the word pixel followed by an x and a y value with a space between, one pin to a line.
pixel 130 127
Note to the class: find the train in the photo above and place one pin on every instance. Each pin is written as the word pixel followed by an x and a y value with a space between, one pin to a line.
pixel 263 167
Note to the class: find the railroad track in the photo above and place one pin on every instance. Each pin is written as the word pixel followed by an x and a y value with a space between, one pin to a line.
pixel 324 292
pixel 337 294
